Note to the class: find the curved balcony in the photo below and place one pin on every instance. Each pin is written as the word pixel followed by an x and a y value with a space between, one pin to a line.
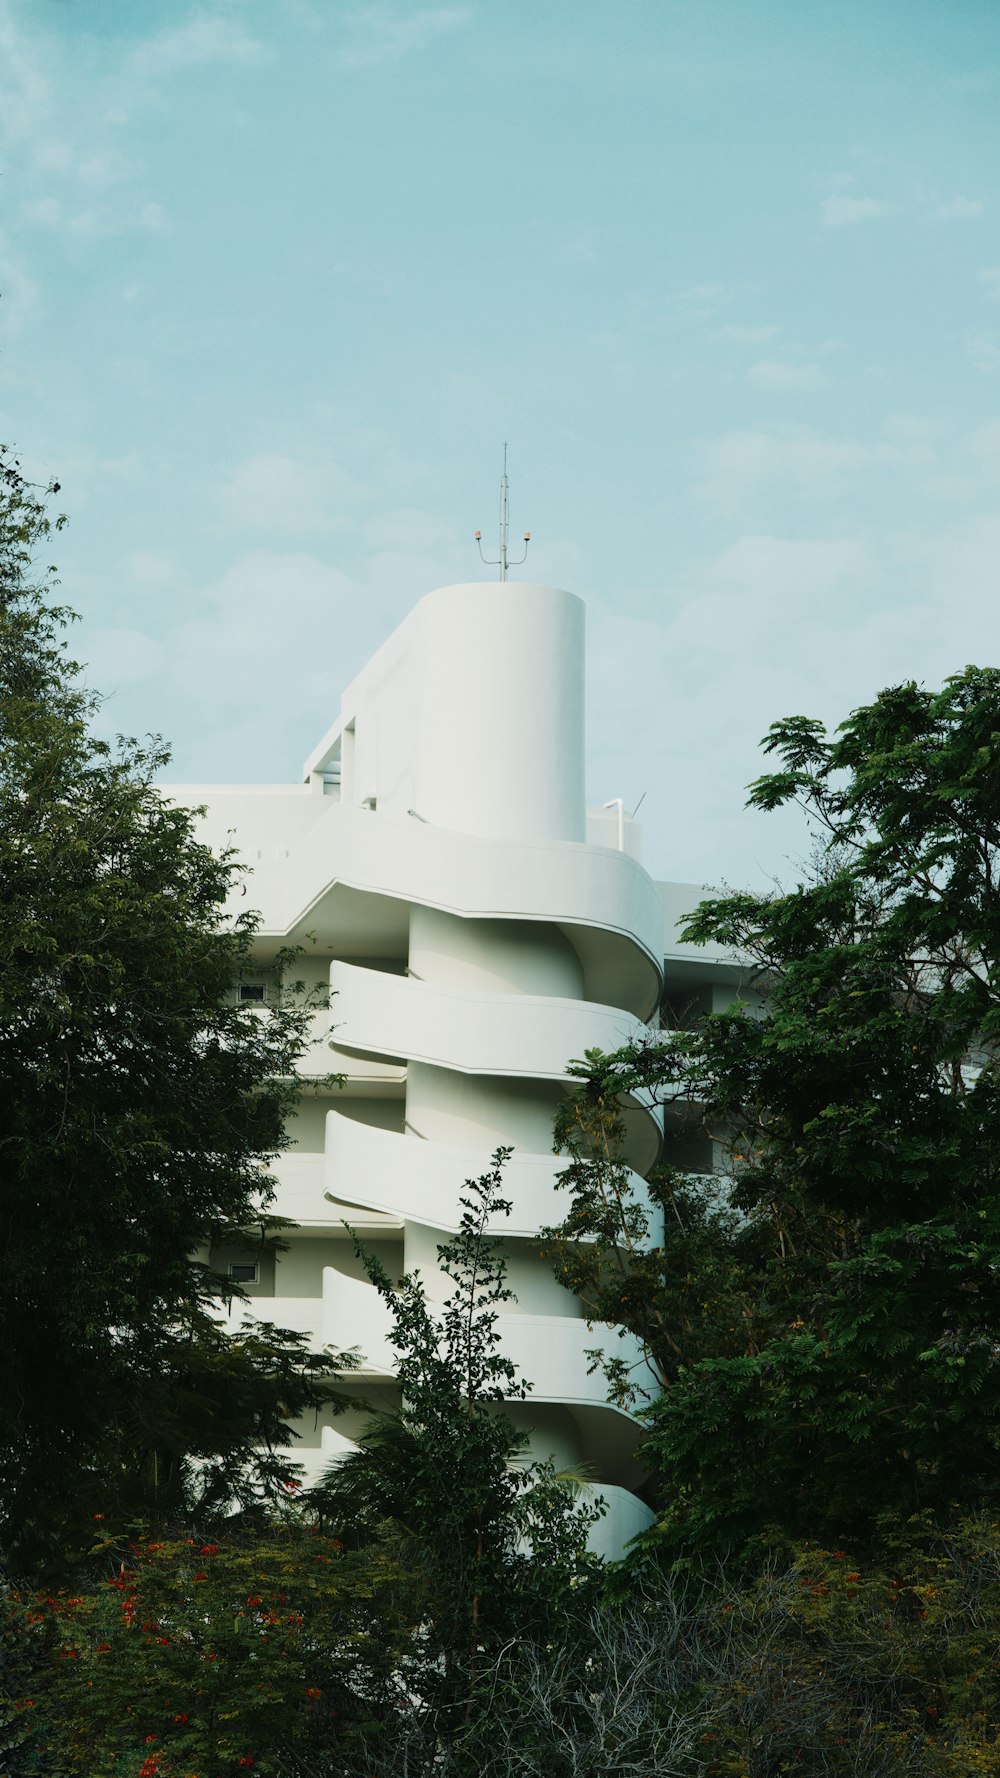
pixel 300 1314
pixel 523 1035
pixel 408 1178
pixel 301 1194
pixel 354 1315
pixel 550 1349
pixel 625 1518
pixel 350 856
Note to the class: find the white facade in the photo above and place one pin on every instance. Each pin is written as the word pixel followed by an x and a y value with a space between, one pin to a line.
pixel 478 930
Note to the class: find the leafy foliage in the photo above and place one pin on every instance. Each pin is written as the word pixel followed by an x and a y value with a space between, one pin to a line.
pixel 279 1653
pixel 140 1104
pixel 824 1325
pixel 491 1541
pixel 182 1659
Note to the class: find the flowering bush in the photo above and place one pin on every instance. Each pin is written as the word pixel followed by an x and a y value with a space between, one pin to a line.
pixel 189 1660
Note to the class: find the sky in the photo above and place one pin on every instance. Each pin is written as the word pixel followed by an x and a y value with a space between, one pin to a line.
pixel 278 278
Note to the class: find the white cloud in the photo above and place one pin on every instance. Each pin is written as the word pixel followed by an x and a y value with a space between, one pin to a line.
pixel 287 495
pixel 984 351
pixel 121 656
pixel 815 625
pixel 958 209
pixel 841 210
pixel 26 91
pixel 73 179
pixel 153 217
pixel 204 39
pixel 384 35
pixel 149 569
pixel 211 664
pixel 739 466
pixel 19 296
pixel 989 278
pixel 749 336
pixel 780 375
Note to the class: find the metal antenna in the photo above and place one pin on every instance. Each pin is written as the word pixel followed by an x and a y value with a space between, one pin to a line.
pixel 502 561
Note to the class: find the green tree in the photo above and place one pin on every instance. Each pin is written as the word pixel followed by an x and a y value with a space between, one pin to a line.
pixel 140 1102
pixel 824 1322
pixel 492 1541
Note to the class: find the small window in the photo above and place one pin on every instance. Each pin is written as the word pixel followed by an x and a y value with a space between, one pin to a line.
pixel 243 1271
pixel 254 991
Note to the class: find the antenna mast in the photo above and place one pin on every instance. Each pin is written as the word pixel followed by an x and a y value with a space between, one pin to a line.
pixel 502 561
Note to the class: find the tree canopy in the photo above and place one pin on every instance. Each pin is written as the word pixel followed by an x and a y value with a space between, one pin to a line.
pixel 140 1102
pixel 823 1318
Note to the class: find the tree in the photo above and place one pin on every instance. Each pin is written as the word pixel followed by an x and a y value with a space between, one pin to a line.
pixel 824 1321
pixel 492 1543
pixel 140 1102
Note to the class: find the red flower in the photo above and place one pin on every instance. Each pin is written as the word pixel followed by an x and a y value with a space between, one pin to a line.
pixel 313 1691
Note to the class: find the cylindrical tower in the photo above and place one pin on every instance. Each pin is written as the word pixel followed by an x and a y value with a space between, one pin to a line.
pixel 499 734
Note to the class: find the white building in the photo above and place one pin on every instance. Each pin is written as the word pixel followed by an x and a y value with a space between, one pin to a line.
pixel 478 929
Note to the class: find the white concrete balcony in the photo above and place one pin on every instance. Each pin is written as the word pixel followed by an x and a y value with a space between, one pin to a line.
pixel 300 1314
pixel 354 1315
pixel 550 1349
pixel 420 1181
pixel 522 1035
pixel 325 1055
pixel 301 1195
pixel 604 896
pixel 626 1516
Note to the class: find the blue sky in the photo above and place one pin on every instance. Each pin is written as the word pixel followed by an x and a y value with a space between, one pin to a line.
pixel 279 277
